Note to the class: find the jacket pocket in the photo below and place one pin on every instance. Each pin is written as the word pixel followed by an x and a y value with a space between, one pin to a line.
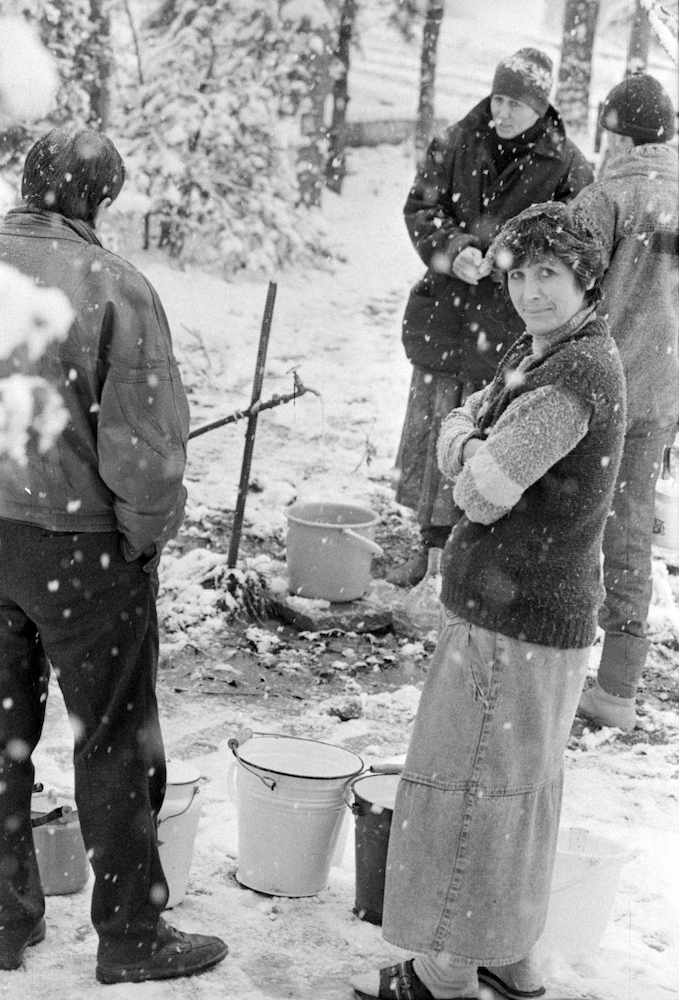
pixel 430 331
pixel 482 661
pixel 152 409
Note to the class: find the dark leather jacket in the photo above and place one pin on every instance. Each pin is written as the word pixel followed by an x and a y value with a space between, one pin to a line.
pixel 119 462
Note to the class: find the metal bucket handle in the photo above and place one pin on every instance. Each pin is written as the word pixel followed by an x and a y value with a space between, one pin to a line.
pixel 194 792
pixel 366 543
pixel 373 769
pixel 234 743
pixel 59 815
pixel 666 471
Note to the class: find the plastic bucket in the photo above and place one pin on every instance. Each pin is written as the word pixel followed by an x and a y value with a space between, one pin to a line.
pixel 584 883
pixel 62 859
pixel 585 879
pixel 177 827
pixel 330 548
pixel 373 808
pixel 290 799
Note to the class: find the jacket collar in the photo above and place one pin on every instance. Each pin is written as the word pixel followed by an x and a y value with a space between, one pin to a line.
pixel 23 221
pixel 652 156
pixel 550 144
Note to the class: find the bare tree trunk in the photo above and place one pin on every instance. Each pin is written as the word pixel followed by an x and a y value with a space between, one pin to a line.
pixel 575 71
pixel 336 166
pixel 425 112
pixel 312 156
pixel 99 88
pixel 639 38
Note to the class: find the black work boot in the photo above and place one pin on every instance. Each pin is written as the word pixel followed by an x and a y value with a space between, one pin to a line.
pixel 12 955
pixel 174 954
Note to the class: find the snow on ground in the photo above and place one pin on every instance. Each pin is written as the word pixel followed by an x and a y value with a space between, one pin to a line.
pixel 341 328
pixel 338 327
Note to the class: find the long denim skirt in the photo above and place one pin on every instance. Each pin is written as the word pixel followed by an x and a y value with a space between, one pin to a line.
pixel 473 835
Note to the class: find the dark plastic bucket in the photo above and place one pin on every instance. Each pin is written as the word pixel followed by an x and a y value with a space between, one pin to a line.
pixel 373 808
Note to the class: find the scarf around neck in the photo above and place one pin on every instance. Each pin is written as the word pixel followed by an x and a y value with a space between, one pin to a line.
pixel 505 151
pixel 570 328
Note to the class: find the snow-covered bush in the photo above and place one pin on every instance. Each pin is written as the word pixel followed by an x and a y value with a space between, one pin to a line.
pixel 74 46
pixel 212 127
pixel 29 316
pixel 28 77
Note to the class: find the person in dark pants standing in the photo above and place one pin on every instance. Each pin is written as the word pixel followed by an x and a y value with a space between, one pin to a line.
pixel 82 526
pixel 507 153
pixel 633 209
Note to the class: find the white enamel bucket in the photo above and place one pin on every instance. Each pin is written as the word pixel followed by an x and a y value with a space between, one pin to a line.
pixel 289 793
pixel 177 827
pixel 584 883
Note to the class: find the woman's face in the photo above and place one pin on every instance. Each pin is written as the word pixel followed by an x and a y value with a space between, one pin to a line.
pixel 510 117
pixel 546 294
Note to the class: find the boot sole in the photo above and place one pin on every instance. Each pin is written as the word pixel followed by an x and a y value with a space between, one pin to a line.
pixel 488 978
pixel 148 972
pixel 10 963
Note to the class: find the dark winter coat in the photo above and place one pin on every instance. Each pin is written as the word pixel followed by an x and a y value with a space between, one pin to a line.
pixel 459 199
pixel 119 462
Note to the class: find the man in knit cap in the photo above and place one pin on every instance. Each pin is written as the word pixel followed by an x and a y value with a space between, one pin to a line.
pixel 507 153
pixel 633 208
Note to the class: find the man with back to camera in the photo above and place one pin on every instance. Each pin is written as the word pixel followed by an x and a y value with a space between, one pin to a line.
pixel 509 152
pixel 633 208
pixel 82 526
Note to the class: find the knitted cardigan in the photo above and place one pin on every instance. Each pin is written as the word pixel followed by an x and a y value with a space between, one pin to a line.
pixel 535 574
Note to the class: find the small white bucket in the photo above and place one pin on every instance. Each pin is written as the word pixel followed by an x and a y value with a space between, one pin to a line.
pixel 60 852
pixel 584 884
pixel 291 808
pixel 177 827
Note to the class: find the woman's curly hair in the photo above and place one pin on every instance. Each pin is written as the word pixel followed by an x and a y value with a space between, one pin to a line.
pixel 550 229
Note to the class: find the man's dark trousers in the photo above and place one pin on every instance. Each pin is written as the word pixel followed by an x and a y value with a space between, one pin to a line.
pixel 71 600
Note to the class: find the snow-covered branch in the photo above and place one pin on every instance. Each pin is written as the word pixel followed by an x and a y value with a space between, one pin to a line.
pixel 665 24
pixel 30 317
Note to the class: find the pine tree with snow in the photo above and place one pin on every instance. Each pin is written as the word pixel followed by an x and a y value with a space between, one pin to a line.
pixel 75 33
pixel 212 124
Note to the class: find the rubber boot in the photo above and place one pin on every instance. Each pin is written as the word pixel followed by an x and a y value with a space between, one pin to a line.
pixel 604 709
pixel 411 573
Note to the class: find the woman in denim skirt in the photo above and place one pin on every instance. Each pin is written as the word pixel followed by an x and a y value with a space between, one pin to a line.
pixel 533 458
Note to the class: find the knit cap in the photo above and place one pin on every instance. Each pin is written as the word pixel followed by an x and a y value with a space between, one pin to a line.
pixel 641 108
pixel 527 77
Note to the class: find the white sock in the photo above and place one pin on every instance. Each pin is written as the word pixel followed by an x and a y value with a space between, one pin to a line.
pixel 444 979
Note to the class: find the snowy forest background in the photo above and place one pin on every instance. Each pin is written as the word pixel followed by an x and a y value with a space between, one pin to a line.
pixel 234 115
